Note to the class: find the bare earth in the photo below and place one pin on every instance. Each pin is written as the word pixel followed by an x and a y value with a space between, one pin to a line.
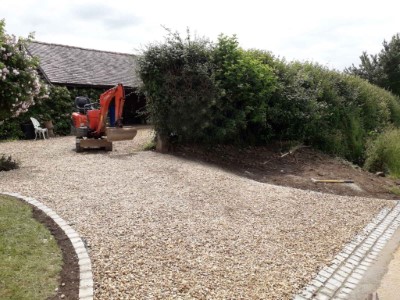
pixel 163 227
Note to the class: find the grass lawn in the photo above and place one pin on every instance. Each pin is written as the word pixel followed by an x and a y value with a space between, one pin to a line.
pixel 30 259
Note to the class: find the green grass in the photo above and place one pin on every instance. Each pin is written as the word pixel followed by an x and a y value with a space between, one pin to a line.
pixel 383 154
pixel 149 146
pixel 30 259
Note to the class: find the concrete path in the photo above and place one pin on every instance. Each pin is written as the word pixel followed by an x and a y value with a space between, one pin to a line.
pixel 389 288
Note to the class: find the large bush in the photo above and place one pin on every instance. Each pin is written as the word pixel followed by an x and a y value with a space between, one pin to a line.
pixel 246 86
pixel 199 91
pixel 57 107
pixel 20 85
pixel 180 87
pixel 220 93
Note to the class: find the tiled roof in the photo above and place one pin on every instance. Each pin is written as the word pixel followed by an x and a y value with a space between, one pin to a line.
pixel 79 66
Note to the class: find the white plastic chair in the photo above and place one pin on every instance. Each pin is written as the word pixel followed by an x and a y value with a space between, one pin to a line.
pixel 39 130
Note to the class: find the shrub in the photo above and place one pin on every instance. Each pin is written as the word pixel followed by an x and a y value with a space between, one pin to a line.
pixel 7 163
pixel 57 108
pixel 20 85
pixel 202 92
pixel 383 153
pixel 246 85
pixel 10 129
pixel 180 86
pixel 327 109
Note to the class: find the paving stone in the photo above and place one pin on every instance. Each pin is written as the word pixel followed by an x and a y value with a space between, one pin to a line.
pixel 316 283
pixel 321 278
pixel 86 283
pixel 325 273
pixel 359 271
pixel 339 277
pixel 346 269
pixel 346 290
pixel 356 276
pixel 351 282
pixel 349 285
pixel 324 294
pixel 85 275
pixel 336 283
pixel 84 262
pixel 330 286
pixel 85 292
pixel 341 296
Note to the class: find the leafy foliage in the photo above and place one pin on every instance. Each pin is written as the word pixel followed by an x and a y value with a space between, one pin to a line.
pixel 246 85
pixel 384 152
pixel 199 91
pixel 57 108
pixel 219 93
pixel 20 85
pixel 179 83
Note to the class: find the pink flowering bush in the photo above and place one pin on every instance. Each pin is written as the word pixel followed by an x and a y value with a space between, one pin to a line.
pixel 20 85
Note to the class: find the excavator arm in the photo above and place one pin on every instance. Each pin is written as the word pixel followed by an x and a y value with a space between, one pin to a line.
pixel 117 94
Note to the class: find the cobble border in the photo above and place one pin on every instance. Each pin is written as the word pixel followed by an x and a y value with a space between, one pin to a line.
pixel 85 266
pixel 340 278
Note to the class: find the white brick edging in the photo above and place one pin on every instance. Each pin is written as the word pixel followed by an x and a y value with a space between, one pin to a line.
pixel 340 278
pixel 85 267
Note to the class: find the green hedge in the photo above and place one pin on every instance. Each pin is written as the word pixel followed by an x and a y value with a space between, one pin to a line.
pixel 199 91
pixel 332 111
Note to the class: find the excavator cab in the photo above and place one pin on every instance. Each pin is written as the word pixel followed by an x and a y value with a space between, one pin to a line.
pixel 83 104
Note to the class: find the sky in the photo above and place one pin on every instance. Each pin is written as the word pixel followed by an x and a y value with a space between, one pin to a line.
pixel 332 33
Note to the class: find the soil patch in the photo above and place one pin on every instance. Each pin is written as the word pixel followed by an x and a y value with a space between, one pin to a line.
pixel 297 169
pixel 69 276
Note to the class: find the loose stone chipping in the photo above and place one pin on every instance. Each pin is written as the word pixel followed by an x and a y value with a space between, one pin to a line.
pixel 162 227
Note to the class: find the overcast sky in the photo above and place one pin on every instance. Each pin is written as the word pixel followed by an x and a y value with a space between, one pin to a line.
pixel 333 33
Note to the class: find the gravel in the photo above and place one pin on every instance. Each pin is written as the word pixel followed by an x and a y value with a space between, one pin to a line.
pixel 162 227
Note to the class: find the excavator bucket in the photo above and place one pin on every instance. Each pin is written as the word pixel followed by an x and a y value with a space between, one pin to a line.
pixel 120 134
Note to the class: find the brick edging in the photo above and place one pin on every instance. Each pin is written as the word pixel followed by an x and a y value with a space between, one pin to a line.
pixel 85 266
pixel 341 277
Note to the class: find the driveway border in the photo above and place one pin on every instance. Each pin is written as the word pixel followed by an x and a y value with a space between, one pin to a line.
pixel 85 266
pixel 341 277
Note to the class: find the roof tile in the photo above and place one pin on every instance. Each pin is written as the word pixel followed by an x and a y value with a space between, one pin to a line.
pixel 73 65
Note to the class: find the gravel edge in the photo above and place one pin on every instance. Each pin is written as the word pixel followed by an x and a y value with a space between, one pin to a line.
pixel 85 266
pixel 345 272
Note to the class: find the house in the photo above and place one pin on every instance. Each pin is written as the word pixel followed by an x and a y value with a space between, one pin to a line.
pixel 82 68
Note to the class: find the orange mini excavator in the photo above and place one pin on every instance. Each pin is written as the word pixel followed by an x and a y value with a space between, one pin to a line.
pixel 89 123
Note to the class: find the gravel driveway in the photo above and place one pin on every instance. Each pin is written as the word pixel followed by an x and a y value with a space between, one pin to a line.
pixel 161 227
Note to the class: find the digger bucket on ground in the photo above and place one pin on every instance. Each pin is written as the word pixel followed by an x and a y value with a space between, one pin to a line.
pixel 120 134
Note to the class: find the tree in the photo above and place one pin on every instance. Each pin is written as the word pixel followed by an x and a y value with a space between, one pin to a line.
pixel 382 69
pixel 20 84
